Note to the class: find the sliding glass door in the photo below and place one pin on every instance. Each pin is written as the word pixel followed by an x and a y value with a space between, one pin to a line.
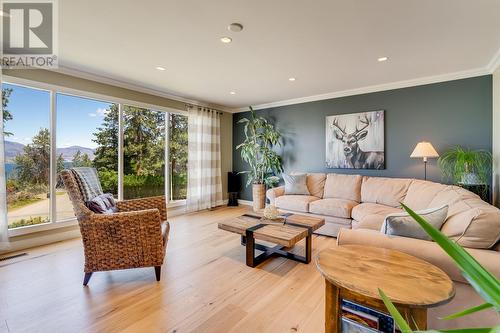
pixel 178 156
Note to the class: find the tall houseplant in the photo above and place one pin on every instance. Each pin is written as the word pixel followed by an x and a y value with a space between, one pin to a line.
pixel 257 150
pixel 466 166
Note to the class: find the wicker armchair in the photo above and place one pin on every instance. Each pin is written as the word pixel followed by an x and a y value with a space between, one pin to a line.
pixel 134 237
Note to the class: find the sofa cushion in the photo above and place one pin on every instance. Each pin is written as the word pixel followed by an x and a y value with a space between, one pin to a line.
pixel 296 184
pixel 371 222
pixel 332 207
pixel 367 208
pixel 316 184
pixel 340 186
pixel 421 193
pixel 451 195
pixel 298 203
pixel 402 224
pixel 473 223
pixel 386 191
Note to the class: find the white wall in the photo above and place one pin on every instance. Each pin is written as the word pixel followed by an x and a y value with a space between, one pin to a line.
pixel 496 137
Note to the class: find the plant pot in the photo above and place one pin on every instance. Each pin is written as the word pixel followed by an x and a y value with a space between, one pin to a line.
pixel 259 197
pixel 470 178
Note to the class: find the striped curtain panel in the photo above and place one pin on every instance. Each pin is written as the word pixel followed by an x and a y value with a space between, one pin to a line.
pixel 4 239
pixel 204 159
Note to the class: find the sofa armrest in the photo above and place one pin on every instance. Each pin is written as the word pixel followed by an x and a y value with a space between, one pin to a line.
pixel 426 250
pixel 275 192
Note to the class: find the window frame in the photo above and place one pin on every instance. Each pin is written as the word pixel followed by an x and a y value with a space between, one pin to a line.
pixel 57 89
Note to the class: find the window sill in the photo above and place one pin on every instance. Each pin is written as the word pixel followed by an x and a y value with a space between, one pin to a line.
pixel 67 223
pixel 42 227
pixel 176 203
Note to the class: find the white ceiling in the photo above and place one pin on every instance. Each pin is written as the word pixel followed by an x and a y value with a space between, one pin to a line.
pixel 328 45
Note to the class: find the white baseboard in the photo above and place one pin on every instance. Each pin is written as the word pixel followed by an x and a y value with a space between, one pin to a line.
pixel 245 202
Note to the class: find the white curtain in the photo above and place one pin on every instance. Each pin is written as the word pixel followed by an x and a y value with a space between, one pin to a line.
pixel 204 159
pixel 4 239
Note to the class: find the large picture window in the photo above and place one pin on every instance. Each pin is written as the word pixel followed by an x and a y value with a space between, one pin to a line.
pixel 86 132
pixel 87 136
pixel 144 153
pixel 26 115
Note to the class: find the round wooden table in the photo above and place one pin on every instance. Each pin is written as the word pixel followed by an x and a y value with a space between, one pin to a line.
pixel 355 273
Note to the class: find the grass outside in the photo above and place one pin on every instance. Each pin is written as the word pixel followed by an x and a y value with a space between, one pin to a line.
pixel 22 203
pixel 26 202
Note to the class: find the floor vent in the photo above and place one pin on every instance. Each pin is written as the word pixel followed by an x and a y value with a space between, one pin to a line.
pixel 13 256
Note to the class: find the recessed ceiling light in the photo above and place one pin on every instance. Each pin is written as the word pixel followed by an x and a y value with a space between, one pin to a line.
pixel 161 68
pixel 226 40
pixel 232 92
pixel 235 27
pixel 381 59
pixel 291 79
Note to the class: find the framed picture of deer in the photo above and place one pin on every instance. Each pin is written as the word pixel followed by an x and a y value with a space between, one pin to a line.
pixel 355 141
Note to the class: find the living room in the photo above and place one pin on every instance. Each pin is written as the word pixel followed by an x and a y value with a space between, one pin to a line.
pixel 233 166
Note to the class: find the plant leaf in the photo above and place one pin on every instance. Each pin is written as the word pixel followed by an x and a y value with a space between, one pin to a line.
pixel 495 329
pixel 468 311
pixel 398 318
pixel 480 279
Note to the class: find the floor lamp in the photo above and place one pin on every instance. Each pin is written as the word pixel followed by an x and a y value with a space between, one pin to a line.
pixel 424 150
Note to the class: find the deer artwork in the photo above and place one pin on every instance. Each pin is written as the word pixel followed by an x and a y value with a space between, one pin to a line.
pixel 355 157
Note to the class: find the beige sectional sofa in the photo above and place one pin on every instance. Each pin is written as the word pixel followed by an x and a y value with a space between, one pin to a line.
pixel 362 203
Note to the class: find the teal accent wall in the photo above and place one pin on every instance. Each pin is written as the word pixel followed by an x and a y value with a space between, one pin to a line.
pixel 449 113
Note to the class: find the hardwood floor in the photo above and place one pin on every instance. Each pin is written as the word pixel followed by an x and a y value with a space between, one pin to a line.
pixel 205 287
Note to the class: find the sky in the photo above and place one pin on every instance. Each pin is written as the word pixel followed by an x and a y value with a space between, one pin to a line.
pixel 77 118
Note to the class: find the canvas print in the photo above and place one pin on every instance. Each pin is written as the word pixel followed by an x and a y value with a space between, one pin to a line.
pixel 355 141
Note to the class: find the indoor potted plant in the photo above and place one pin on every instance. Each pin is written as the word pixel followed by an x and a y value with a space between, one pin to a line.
pixel 257 151
pixel 466 166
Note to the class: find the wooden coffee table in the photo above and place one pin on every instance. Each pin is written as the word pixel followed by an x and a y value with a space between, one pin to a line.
pixel 354 273
pixel 252 228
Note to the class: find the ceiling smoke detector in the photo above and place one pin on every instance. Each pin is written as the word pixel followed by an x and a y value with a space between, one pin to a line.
pixel 235 27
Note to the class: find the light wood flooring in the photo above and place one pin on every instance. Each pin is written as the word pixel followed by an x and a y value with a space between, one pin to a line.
pixel 205 287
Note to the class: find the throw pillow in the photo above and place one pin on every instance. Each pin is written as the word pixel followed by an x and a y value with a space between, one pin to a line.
pixel 102 204
pixel 296 184
pixel 402 224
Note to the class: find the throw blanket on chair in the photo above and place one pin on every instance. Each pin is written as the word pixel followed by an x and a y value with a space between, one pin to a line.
pixel 88 182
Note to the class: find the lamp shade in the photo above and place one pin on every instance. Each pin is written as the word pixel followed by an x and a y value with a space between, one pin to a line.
pixel 424 149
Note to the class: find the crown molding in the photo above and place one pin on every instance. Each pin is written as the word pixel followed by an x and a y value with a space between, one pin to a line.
pixel 495 62
pixel 131 86
pixel 374 88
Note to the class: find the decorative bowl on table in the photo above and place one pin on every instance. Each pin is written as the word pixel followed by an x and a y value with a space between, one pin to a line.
pixel 272 215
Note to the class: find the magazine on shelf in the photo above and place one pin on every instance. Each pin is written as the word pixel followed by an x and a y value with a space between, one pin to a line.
pixel 365 319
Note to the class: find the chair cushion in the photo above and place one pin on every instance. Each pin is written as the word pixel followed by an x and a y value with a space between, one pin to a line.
pixel 88 182
pixel 296 184
pixel 102 204
pixel 402 224
pixel 385 191
pixel 367 208
pixel 343 187
pixel 298 203
pixel 333 207
pixel 421 193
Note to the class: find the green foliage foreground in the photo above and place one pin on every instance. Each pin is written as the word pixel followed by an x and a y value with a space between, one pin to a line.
pixel 485 284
